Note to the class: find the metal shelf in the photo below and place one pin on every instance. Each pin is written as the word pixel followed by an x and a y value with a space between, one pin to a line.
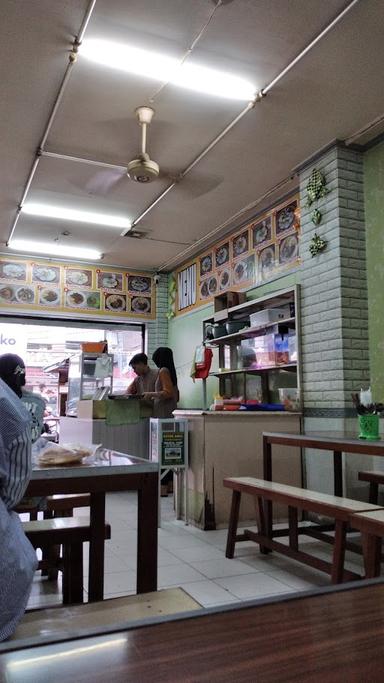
pixel 249 331
pixel 255 371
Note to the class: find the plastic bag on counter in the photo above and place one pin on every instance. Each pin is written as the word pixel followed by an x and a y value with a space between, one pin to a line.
pixel 63 454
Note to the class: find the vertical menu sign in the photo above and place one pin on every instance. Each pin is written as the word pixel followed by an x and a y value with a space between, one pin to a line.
pixel 186 287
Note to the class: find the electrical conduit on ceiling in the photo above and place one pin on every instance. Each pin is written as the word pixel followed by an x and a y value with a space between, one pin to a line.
pixel 71 62
pixel 214 142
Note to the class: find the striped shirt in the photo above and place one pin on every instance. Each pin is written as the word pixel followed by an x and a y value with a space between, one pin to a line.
pixel 17 557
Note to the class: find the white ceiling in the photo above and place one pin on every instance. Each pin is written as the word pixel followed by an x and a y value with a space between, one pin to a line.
pixel 335 90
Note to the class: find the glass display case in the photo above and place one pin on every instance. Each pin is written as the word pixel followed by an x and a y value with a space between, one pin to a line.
pixel 90 375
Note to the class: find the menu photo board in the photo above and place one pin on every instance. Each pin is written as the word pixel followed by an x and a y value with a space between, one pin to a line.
pixel 76 289
pixel 259 252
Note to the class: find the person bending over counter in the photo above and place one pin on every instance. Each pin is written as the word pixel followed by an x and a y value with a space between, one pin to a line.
pixel 145 379
pixel 18 560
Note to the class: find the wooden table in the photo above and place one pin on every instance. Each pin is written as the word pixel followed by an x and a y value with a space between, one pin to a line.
pixel 338 444
pixel 109 471
pixel 333 636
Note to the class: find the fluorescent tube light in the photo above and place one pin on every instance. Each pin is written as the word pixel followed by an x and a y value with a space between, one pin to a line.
pixel 167 69
pixel 54 249
pixel 49 211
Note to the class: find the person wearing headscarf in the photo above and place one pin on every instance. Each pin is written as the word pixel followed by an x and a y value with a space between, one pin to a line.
pixel 18 560
pixel 12 372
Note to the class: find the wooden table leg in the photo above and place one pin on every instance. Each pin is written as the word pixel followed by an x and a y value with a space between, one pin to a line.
pixel 293 528
pixel 339 551
pixel 338 473
pixel 147 519
pixel 232 526
pixel 267 473
pixel 96 547
pixel 372 555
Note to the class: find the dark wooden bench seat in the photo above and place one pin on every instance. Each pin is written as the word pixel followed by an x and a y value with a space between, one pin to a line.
pixel 70 533
pixel 335 507
pixel 375 479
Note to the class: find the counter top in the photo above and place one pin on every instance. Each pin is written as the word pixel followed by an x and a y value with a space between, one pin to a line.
pixel 233 413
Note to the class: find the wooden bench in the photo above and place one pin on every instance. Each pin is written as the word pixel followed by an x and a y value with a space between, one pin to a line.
pixel 59 621
pixel 374 479
pixel 296 499
pixel 371 526
pixel 70 533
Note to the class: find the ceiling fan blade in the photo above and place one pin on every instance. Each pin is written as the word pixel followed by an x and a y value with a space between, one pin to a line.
pixel 105 181
pixel 198 184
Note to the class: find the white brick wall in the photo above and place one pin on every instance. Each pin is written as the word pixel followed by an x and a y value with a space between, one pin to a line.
pixel 157 330
pixel 334 291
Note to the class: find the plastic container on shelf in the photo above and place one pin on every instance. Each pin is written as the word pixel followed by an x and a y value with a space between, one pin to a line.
pixel 268 315
pixel 290 399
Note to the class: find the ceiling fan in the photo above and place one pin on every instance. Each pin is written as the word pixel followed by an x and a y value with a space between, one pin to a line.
pixel 145 170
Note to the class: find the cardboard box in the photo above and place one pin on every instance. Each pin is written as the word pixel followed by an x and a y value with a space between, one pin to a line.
pixel 92 410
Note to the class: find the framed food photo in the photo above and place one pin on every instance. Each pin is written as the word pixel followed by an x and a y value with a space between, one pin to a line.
pixel 140 284
pixel 287 218
pixel 267 263
pixel 288 249
pixel 243 271
pixel 75 277
pixel 109 280
pixel 116 303
pixel 45 274
pixel 240 244
pixel 206 265
pixel 141 305
pixel 224 279
pixel 262 233
pixel 222 255
pixel 13 271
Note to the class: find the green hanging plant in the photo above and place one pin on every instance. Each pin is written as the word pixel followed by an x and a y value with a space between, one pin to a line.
pixel 172 289
pixel 316 187
pixel 317 245
pixel 316 217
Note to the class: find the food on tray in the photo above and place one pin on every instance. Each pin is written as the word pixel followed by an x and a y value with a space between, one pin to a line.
pixel 141 304
pixel 25 295
pixel 75 298
pixel 49 296
pixel 6 293
pixel 115 302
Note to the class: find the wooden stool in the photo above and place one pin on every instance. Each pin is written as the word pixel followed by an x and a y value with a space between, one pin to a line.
pixel 70 533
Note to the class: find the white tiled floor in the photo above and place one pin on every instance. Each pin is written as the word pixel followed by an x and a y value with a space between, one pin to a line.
pixel 194 560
